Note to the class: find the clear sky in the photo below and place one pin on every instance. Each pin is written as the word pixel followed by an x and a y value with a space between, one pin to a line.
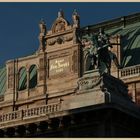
pixel 19 21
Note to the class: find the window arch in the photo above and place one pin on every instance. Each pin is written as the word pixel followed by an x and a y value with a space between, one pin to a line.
pixel 90 62
pixel 22 79
pixel 32 76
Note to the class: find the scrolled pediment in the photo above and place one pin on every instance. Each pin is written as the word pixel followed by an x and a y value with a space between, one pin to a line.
pixel 59 25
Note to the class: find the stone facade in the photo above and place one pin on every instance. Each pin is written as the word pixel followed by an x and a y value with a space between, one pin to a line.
pixel 62 89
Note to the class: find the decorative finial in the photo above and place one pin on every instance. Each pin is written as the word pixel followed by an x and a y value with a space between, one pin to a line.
pixel 75 12
pixel 60 13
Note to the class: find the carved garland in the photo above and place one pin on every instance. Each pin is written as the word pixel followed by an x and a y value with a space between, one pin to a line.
pixel 60 40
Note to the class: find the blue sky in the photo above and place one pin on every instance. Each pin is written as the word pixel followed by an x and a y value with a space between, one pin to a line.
pixel 19 21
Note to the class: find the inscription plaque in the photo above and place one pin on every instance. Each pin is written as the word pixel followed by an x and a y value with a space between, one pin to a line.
pixel 59 66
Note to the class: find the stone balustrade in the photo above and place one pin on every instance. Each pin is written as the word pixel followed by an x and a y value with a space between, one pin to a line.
pixel 42 110
pixel 130 71
pixel 28 113
pixel 10 116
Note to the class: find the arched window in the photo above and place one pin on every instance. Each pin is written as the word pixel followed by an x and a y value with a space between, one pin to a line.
pixel 22 78
pixel 32 76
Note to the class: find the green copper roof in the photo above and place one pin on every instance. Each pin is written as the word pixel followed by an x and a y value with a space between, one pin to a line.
pixel 2 80
pixel 130 43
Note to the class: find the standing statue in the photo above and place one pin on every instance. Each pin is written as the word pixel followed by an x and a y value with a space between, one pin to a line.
pixel 97 53
pixel 104 54
pixel 42 26
pixel 60 14
pixel 43 31
pixel 76 19
pixel 104 60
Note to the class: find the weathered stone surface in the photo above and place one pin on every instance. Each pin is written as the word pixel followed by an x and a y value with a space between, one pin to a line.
pixel 90 79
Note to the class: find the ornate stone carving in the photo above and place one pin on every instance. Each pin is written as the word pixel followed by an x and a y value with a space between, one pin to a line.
pixel 51 42
pixel 60 40
pixel 60 26
pixel 69 38
pixel 89 80
pixel 60 23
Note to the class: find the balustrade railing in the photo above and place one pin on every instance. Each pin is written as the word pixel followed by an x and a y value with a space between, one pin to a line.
pixel 130 71
pixel 28 113
pixel 11 116
pixel 42 110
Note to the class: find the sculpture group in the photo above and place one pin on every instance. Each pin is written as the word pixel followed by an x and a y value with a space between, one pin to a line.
pixel 97 53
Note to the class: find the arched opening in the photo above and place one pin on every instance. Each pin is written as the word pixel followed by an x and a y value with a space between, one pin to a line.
pixel 22 79
pixel 90 62
pixel 32 76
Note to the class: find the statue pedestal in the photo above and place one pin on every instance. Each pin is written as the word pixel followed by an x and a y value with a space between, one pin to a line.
pixel 90 80
pixel 106 83
pixel 102 91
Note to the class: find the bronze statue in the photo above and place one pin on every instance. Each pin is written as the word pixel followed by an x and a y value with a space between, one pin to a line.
pixel 105 56
pixel 97 53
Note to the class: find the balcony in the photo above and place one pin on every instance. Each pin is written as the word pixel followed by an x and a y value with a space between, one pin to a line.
pixel 18 117
pixel 131 71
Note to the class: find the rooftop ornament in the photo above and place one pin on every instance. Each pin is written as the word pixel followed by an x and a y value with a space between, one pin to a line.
pixel 60 14
pixel 76 19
